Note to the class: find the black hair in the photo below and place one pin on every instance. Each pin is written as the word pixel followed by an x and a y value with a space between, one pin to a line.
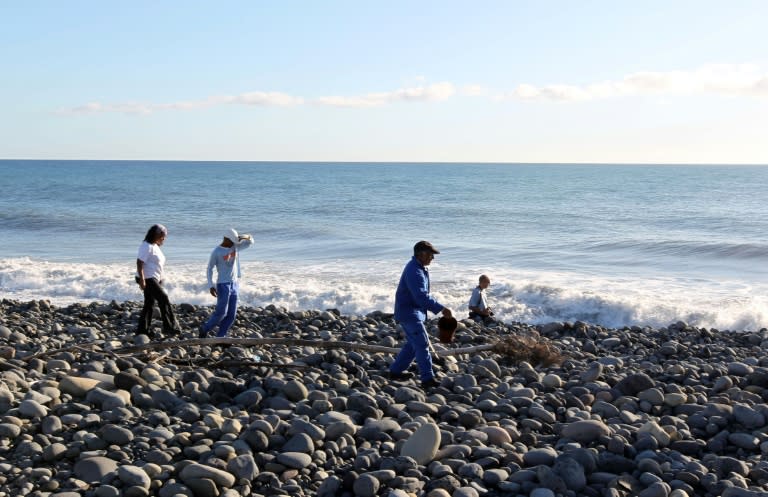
pixel 154 233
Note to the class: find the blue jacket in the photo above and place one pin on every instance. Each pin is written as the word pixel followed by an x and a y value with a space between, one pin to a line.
pixel 412 299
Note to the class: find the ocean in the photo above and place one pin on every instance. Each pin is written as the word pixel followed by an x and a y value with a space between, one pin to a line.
pixel 615 245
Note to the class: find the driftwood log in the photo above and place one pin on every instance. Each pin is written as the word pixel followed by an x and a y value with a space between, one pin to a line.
pixel 516 348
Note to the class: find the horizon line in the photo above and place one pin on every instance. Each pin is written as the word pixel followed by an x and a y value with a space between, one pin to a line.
pixel 350 162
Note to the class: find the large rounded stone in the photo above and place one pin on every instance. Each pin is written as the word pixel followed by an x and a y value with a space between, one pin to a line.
pixel 243 467
pixel 77 386
pixel 422 445
pixel 201 472
pixel 133 476
pixel 94 469
pixel 635 383
pixel 585 431
pixel 366 486
pixel 295 460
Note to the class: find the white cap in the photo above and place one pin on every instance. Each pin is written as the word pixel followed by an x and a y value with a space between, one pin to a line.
pixel 231 234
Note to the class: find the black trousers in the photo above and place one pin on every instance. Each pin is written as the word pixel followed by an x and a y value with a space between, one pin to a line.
pixel 154 292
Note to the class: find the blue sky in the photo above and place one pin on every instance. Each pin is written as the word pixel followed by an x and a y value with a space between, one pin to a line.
pixel 488 81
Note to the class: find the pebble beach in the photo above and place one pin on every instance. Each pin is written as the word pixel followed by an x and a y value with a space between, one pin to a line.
pixel 87 408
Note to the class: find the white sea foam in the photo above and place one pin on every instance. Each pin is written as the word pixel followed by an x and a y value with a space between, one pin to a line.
pixel 515 295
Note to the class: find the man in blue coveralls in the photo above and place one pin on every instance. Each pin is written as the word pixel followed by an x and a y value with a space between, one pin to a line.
pixel 412 302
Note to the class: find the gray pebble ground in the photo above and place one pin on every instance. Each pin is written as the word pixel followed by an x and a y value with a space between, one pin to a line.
pixel 670 412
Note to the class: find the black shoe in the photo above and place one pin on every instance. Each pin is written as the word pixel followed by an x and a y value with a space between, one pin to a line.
pixel 172 333
pixel 202 333
pixel 405 375
pixel 430 383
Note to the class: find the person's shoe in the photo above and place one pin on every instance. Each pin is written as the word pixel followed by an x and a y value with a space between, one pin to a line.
pixel 430 383
pixel 202 333
pixel 402 376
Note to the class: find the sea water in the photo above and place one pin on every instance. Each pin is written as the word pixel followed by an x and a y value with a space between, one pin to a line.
pixel 614 245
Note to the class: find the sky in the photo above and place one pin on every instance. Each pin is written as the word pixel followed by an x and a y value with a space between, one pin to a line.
pixel 409 81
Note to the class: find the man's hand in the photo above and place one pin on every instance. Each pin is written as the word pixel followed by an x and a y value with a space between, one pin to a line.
pixel 447 312
pixel 213 291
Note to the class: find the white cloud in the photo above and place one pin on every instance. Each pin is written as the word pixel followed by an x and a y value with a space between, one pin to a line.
pixel 97 107
pixel 249 98
pixel 434 92
pixel 268 98
pixel 475 91
pixel 744 80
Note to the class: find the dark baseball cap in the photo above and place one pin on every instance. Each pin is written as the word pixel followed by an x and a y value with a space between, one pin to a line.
pixel 424 246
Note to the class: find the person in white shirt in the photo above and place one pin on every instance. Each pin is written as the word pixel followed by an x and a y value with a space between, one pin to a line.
pixel 478 304
pixel 149 276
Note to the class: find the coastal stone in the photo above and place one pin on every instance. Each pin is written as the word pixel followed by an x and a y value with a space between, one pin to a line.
pixel 295 460
pixel 539 456
pixel 77 386
pixel 491 365
pixel 192 475
pixel 634 383
pixel 57 365
pixel 745 441
pixel 423 444
pixel 329 487
pixel 592 373
pixel 742 492
pixel 295 390
pixel 722 383
pixel 300 442
pixel 494 476
pixel 9 430
pixel 126 381
pixel 657 489
pixel 552 381
pixel 739 369
pixel 657 432
pixel 32 409
pixel 542 414
pixel 243 467
pixel 497 435
pixel 571 472
pixel 675 399
pixel 748 416
pixel 107 400
pixel 585 431
pixel 116 435
pixel 175 489
pixel 94 469
pixel 52 425
pixel 106 491
pixel 133 476
pixel 366 486
pixel 541 492
pixel 202 487
pixel 437 492
pixel 653 395
pixel 605 409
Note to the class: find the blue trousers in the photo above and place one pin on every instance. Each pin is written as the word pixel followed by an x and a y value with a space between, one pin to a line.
pixel 226 309
pixel 416 346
